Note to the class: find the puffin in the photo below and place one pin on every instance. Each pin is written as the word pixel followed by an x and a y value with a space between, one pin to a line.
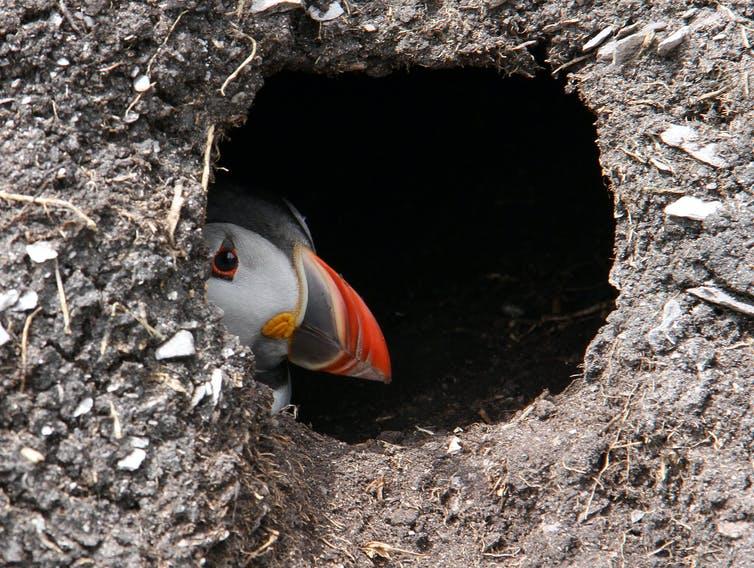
pixel 281 299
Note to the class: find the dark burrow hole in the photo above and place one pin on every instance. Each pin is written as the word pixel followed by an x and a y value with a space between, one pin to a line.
pixel 470 213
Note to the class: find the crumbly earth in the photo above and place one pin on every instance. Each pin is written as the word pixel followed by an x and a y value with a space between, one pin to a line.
pixel 110 457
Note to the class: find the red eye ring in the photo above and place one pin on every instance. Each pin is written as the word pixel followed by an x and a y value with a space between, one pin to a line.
pixel 225 263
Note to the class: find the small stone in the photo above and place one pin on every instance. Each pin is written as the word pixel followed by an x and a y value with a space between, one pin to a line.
pixel 142 83
pixel 139 442
pixel 672 41
pixel 32 455
pixel 41 251
pixel 9 298
pixel 133 461
pixel 597 40
pixel 4 337
pixel 55 20
pixel 657 336
pixel 637 515
pixel 369 28
pixel 454 446
pixel 63 62
pixel 130 117
pixel 180 345
pixel 685 138
pixel 274 6
pixel 733 529
pixel 83 407
pixel 47 430
pixel 621 50
pixel 334 10
pixel 27 301
pixel 692 208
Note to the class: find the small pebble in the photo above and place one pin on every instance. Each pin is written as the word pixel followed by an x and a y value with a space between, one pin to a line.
pixel 133 461
pixel 41 251
pixel 83 407
pixel 274 6
pixel 27 301
pixel 8 299
pixel 63 62
pixel 142 83
pixel 672 41
pixel 180 345
pixel 32 455
pixel 692 208
pixel 454 446
pixel 333 11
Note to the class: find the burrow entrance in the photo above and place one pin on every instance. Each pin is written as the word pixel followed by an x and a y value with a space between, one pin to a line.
pixel 470 213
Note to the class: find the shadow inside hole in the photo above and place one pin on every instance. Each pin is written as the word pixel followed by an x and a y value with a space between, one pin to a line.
pixel 470 214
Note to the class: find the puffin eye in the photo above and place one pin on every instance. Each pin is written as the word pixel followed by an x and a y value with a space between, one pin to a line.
pixel 225 262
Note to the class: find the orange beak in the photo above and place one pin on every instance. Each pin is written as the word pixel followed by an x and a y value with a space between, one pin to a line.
pixel 337 334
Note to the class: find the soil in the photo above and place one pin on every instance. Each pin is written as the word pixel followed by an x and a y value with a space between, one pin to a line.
pixel 111 457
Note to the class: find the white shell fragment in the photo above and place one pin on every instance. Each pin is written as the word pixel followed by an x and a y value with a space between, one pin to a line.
pixel 133 461
pixel 692 208
pixel 83 407
pixel 216 385
pixel 715 295
pixel 597 40
pixel 685 138
pixel 672 41
pixel 621 50
pixel 213 388
pixel 8 299
pixel 334 10
pixel 180 345
pixel 142 83
pixel 27 301
pixel 454 446
pixel 4 337
pixel 199 393
pixel 32 455
pixel 41 251
pixel 274 6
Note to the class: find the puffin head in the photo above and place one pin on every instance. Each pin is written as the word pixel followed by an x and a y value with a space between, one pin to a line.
pixel 291 304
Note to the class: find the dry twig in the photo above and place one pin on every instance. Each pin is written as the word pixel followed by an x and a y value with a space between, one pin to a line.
pixel 240 67
pixel 207 157
pixel 51 201
pixel 63 301
pixel 25 346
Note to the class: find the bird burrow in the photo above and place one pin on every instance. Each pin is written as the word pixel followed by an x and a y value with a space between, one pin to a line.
pixel 470 213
